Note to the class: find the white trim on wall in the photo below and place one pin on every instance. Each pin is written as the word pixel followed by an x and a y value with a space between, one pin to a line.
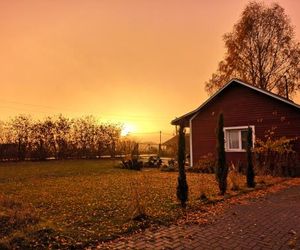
pixel 191 144
pixel 191 140
pixel 289 102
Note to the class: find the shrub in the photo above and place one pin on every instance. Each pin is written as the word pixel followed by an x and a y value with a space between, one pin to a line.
pixel 202 188
pixel 206 164
pixel 153 162
pixel 203 196
pixel 138 193
pixel 171 167
pixel 132 164
pixel 234 178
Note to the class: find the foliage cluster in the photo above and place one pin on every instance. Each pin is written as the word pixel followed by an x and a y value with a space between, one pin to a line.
pixel 171 167
pixel 275 156
pixel 59 137
pixel 261 50
pixel 206 164
pixel 153 162
pixel 139 187
pixel 234 178
pixel 132 162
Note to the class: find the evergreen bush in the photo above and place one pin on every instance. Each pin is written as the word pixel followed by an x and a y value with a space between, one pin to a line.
pixel 182 187
pixel 250 168
pixel 221 167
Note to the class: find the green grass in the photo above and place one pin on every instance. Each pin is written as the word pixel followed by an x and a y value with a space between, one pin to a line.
pixel 24 170
pixel 62 203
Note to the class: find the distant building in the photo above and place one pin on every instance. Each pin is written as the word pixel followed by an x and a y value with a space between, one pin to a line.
pixel 170 146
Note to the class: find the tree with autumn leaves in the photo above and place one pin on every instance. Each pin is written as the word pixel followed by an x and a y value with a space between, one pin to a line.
pixel 58 137
pixel 261 50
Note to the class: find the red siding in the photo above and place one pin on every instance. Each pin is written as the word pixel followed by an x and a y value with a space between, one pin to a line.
pixel 242 106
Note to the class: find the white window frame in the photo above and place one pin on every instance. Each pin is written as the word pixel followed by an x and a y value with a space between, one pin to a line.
pixel 239 128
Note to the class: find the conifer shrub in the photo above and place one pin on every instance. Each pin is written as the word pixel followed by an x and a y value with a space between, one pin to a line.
pixel 250 168
pixel 221 166
pixel 182 186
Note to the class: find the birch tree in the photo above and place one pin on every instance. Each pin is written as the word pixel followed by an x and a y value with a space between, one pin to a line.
pixel 261 50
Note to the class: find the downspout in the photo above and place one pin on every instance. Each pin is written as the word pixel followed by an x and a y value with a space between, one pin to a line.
pixel 191 140
pixel 191 144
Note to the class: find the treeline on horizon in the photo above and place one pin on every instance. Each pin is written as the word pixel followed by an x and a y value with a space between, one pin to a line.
pixel 59 137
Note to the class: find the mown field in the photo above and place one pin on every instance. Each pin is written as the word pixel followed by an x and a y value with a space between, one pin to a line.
pixel 80 203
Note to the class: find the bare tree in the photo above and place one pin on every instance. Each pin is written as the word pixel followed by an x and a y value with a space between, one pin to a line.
pixel 21 126
pixel 38 141
pixel 57 137
pixel 112 135
pixel 101 140
pixel 3 132
pixel 260 50
pixel 62 136
pixel 83 135
pixel 42 139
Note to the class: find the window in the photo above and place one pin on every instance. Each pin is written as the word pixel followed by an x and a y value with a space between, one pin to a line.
pixel 236 138
pixel 233 139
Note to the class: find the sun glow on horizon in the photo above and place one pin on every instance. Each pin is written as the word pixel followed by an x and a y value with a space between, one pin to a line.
pixel 127 129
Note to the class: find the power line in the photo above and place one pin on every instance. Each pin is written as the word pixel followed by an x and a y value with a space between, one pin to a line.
pixel 127 116
pixel 22 110
pixel 156 132
pixel 30 104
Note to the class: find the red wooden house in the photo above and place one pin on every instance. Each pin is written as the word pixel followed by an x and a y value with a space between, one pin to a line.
pixel 242 105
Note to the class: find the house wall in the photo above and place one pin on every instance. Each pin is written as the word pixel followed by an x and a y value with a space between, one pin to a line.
pixel 242 106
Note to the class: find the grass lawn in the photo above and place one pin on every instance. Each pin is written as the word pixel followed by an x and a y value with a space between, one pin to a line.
pixel 82 202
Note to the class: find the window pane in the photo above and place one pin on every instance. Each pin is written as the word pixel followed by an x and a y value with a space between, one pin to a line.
pixel 233 139
pixel 244 139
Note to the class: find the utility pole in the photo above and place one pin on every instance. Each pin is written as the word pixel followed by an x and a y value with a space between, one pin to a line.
pixel 159 137
pixel 159 146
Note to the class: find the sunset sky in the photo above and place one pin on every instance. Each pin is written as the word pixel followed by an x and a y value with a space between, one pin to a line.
pixel 132 61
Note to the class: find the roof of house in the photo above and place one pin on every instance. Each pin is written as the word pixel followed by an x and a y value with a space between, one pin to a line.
pixel 236 81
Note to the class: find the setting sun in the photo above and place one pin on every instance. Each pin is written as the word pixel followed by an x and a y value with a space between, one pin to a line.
pixel 127 129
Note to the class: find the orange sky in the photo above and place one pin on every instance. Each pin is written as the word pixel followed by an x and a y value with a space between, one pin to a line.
pixel 135 61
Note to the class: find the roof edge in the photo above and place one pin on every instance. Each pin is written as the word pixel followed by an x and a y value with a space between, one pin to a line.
pixel 175 121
